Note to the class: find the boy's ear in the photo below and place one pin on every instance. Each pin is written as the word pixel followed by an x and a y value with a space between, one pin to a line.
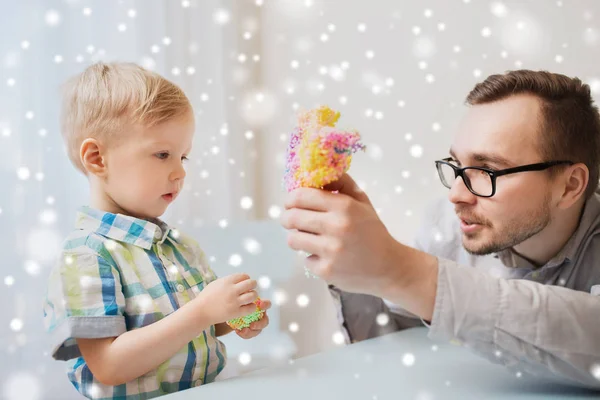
pixel 92 157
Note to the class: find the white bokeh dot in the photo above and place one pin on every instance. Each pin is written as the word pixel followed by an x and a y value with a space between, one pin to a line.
pixel 9 280
pixel 221 17
pixel 302 300
pixel 408 359
pixel 16 324
pixel 246 202
pixel 52 18
pixel 274 211
pixel 416 151
pixel 32 267
pixel 23 173
pixel 280 297
pixel 293 327
pixel 252 246
pixel 424 47
pixel 244 358
pixel 86 281
pixel 382 319
pixel 48 217
pixel 375 151
pixel 338 338
pixel 498 9
pixel 235 260
pixel 264 282
pixel 595 370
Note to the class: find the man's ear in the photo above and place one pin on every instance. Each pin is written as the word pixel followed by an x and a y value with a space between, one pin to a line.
pixel 576 180
pixel 91 155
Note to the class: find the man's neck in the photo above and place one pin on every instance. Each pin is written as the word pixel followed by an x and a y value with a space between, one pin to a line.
pixel 540 248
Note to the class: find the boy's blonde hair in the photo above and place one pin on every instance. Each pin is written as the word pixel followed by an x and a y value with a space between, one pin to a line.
pixel 106 100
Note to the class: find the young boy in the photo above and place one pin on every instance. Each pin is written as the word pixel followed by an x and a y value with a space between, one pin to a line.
pixel 132 302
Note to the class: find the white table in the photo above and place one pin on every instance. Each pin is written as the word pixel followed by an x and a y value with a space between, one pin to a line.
pixel 376 369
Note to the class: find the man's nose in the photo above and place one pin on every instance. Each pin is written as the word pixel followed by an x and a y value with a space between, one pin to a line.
pixel 460 193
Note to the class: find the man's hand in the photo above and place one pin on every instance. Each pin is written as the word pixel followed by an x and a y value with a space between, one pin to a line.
pixel 351 248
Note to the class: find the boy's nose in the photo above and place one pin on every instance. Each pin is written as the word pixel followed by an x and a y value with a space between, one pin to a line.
pixel 178 173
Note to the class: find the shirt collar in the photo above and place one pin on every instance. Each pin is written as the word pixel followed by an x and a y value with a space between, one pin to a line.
pixel 123 228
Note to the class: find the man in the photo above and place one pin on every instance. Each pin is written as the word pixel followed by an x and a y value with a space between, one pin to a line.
pixel 511 266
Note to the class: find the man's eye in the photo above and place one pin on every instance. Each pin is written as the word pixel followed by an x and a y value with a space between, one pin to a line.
pixel 162 156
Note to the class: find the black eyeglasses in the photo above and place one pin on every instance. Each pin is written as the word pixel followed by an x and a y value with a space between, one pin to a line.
pixel 482 181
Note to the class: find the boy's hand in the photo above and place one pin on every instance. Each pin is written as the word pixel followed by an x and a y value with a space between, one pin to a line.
pixel 228 298
pixel 256 327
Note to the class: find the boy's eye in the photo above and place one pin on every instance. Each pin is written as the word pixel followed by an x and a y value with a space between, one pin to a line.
pixel 162 156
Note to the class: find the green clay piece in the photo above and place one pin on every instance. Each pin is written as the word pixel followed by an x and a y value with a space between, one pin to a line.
pixel 244 322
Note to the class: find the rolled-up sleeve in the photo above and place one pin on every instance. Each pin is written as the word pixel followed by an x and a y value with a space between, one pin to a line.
pixel 84 300
pixel 529 327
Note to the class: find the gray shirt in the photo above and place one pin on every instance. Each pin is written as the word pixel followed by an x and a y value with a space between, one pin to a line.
pixel 538 320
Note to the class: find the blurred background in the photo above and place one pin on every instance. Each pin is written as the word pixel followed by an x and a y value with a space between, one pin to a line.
pixel 398 71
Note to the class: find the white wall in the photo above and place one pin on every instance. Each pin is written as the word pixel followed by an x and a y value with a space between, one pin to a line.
pixel 445 40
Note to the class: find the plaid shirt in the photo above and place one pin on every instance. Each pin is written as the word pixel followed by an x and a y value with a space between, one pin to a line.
pixel 118 273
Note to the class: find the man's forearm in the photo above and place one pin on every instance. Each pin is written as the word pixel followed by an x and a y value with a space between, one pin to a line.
pixel 412 281
pixel 533 328
pixel 140 351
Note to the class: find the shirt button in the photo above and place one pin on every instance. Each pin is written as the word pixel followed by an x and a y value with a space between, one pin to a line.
pixel 180 288
pixel 197 383
pixel 158 233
